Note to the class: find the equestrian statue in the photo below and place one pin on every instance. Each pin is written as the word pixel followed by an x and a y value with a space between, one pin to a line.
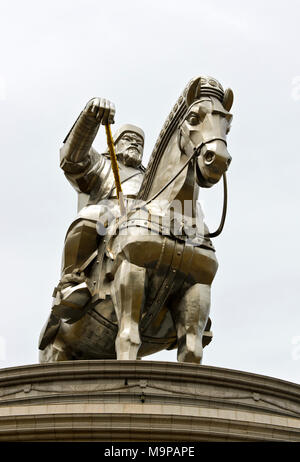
pixel 138 260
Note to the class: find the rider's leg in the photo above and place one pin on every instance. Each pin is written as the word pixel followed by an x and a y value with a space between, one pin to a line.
pixel 190 314
pixel 80 243
pixel 128 291
pixel 72 293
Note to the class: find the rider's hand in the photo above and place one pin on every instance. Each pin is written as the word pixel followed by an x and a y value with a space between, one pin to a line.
pixel 101 110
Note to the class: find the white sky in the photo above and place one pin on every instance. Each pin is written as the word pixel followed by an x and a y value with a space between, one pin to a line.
pixel 56 55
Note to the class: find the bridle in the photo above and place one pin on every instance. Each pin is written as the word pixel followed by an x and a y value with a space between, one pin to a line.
pixel 195 153
pixel 200 146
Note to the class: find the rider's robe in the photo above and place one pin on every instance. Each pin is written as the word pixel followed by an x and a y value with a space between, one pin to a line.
pixel 94 182
pixel 90 173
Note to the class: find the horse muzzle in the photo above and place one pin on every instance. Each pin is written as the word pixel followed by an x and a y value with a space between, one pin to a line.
pixel 212 163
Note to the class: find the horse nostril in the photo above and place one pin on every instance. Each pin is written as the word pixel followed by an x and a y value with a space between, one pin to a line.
pixel 209 157
pixel 228 162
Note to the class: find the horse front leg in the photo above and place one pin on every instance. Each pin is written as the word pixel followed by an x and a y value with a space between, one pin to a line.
pixel 128 294
pixel 190 315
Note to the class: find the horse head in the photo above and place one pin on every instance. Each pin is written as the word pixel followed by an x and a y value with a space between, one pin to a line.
pixel 204 128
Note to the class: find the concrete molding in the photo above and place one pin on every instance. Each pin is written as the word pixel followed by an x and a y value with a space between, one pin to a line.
pixel 106 400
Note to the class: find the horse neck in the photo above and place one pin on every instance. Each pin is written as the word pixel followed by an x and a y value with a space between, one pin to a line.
pixel 183 188
pixel 186 197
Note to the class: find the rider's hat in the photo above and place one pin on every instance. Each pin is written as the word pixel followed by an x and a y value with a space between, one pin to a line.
pixel 128 128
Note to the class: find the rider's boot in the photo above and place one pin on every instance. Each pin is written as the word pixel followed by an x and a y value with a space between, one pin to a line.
pixel 69 300
pixel 70 297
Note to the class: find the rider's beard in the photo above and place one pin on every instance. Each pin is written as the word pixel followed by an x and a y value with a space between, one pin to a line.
pixel 131 157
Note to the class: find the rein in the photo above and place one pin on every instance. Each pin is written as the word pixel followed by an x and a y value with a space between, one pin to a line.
pixel 224 211
pixel 225 189
pixel 196 153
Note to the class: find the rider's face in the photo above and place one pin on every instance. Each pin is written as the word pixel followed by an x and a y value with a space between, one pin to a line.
pixel 130 148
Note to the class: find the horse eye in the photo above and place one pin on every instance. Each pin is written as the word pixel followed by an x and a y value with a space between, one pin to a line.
pixel 193 119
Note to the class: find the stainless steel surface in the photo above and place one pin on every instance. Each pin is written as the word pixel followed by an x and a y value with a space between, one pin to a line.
pixel 149 286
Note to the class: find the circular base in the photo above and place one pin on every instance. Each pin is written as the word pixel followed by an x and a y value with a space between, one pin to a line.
pixel 144 401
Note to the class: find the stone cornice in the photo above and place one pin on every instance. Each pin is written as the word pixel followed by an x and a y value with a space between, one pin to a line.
pixel 106 400
pixel 143 369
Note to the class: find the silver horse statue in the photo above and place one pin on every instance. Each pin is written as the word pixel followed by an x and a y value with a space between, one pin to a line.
pixel 150 282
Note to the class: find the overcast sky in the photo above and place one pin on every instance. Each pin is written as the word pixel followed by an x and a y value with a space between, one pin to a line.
pixel 56 55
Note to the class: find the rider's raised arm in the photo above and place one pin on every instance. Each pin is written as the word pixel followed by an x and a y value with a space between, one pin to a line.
pixel 81 163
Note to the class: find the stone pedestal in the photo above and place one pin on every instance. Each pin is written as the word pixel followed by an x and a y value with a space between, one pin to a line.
pixel 144 401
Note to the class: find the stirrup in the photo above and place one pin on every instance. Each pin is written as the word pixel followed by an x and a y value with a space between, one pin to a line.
pixel 69 304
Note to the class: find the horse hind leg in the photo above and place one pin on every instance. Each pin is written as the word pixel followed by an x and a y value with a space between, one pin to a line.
pixel 128 294
pixel 190 315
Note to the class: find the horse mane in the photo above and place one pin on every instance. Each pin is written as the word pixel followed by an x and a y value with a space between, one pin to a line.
pixel 174 118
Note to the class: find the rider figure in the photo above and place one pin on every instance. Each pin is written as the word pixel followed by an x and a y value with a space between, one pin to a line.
pixel 90 173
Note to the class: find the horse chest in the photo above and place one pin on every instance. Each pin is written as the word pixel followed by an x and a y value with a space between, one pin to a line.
pixel 166 256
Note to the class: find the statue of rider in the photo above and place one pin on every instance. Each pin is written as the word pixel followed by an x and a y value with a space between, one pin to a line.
pixel 90 173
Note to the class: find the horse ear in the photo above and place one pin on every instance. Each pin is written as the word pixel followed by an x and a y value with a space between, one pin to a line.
pixel 193 91
pixel 228 99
